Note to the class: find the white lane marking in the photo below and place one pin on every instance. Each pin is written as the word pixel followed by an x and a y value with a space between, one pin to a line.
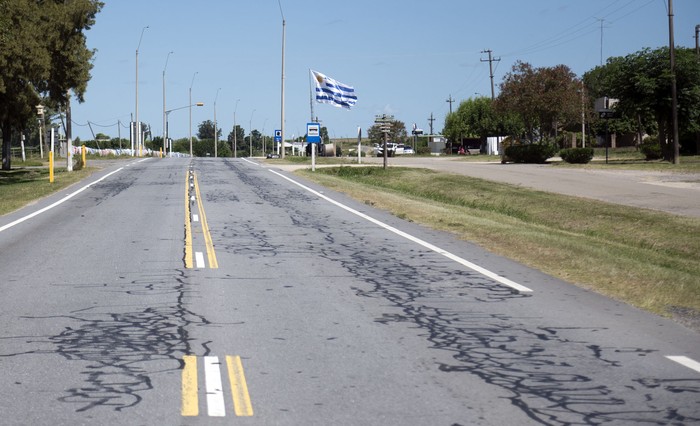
pixel 59 202
pixel 199 259
pixel 215 392
pixel 195 218
pixel 686 362
pixel 252 162
pixel 503 280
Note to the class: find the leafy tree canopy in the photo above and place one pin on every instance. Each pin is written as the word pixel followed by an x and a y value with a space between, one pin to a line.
pixel 544 99
pixel 641 83
pixel 397 132
pixel 206 130
pixel 43 55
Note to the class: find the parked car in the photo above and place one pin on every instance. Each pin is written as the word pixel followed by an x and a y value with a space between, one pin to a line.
pixel 390 149
pixel 404 149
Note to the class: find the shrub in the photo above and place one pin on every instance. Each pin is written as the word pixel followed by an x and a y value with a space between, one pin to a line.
pixel 423 150
pixel 651 149
pixel 531 153
pixel 577 155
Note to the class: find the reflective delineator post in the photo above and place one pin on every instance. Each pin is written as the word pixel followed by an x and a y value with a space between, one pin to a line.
pixel 82 149
pixel 50 166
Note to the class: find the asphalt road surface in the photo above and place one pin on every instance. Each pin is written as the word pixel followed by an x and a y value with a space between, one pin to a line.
pixel 220 291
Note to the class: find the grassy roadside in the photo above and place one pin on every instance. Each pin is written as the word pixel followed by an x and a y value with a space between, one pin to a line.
pixel 19 187
pixel 645 258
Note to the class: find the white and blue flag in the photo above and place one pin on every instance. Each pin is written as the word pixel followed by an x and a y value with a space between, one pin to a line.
pixel 333 92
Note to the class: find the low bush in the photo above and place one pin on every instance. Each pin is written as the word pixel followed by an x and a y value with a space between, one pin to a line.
pixel 651 149
pixel 576 155
pixel 531 153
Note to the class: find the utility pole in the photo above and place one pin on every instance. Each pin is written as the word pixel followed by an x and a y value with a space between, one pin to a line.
pixel 431 119
pixel 450 100
pixel 602 20
pixel 697 53
pixel 674 94
pixel 490 60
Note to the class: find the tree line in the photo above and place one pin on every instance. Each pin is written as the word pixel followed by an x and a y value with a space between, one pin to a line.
pixel 542 105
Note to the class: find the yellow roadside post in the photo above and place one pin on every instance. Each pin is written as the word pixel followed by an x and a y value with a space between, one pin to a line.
pixel 83 152
pixel 50 166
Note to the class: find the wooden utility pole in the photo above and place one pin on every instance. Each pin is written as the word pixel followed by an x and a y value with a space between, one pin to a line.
pixel 431 119
pixel 674 94
pixel 450 100
pixel 490 60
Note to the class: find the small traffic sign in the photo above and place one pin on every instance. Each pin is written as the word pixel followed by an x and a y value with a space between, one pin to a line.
pixel 278 136
pixel 607 114
pixel 313 133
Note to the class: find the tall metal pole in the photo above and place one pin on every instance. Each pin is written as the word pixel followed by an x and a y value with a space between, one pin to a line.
pixel 235 136
pixel 674 94
pixel 250 130
pixel 216 137
pixel 190 127
pixel 165 130
pixel 138 124
pixel 282 100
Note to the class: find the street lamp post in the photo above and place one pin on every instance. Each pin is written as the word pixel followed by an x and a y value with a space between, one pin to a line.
pixel 263 136
pixel 191 84
pixel 250 127
pixel 167 114
pixel 284 23
pixel 138 124
pixel 235 142
pixel 165 147
pixel 216 137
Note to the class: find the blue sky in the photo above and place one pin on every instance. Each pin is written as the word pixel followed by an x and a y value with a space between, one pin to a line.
pixel 403 57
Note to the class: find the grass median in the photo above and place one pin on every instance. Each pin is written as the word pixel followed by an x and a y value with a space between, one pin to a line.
pixel 645 258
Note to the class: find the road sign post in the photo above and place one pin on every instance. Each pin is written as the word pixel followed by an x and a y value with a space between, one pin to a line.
pixel 278 140
pixel 313 136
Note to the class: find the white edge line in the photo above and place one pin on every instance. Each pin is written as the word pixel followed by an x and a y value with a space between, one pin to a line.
pixel 61 201
pixel 252 162
pixel 468 264
pixel 686 362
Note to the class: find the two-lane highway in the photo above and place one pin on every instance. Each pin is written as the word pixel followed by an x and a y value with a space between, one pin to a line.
pixel 178 291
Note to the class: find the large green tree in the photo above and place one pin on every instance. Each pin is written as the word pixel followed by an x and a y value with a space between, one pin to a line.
pixel 206 130
pixel 477 118
pixel 397 132
pixel 545 99
pixel 641 83
pixel 239 136
pixel 43 56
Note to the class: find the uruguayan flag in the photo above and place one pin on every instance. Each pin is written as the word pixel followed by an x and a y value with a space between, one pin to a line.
pixel 332 92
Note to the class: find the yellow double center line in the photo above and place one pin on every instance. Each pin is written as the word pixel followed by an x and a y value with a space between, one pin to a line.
pixel 211 255
pixel 242 405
